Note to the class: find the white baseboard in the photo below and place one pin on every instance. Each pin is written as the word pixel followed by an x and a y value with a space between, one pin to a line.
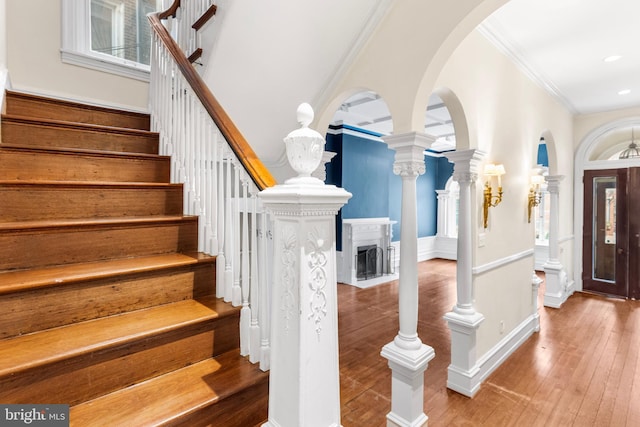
pixel 468 383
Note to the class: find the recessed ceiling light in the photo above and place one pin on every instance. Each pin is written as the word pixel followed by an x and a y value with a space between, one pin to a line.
pixel 624 92
pixel 612 58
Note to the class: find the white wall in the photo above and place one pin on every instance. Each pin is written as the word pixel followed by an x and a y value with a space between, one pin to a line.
pixel 506 115
pixel 33 58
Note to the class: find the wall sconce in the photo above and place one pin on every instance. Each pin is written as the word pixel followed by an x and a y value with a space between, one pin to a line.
pixel 491 200
pixel 535 194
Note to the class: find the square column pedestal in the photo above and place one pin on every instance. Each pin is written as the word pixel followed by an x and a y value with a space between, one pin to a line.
pixel 407 384
pixel 464 373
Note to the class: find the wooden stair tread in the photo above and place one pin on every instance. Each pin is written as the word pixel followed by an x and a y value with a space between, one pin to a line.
pixel 171 396
pixel 93 222
pixel 57 103
pixel 85 106
pixel 96 184
pixel 80 151
pixel 16 281
pixel 37 349
pixel 76 125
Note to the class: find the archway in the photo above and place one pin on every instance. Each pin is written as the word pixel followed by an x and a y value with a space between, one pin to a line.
pixel 597 151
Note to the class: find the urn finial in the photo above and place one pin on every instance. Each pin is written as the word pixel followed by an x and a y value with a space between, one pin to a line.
pixel 304 147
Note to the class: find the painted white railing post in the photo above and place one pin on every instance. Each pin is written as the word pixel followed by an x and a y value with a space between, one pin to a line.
pixel 555 276
pixel 408 357
pixel 464 320
pixel 304 388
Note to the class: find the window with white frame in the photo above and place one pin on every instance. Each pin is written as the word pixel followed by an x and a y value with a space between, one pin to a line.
pixel 108 35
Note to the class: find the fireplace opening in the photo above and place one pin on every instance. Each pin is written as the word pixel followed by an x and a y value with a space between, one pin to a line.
pixel 368 262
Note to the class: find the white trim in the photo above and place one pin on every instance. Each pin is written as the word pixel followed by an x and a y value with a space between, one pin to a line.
pixel 541 257
pixel 501 262
pixel 5 83
pixel 565 239
pixel 76 39
pixel 493 32
pixel 353 131
pixel 468 383
pixel 351 54
pixel 581 163
pixel 132 70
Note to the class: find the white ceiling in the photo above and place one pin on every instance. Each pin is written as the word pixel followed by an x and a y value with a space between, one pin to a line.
pixel 560 44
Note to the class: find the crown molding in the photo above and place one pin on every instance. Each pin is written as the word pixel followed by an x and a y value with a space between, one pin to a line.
pixel 495 34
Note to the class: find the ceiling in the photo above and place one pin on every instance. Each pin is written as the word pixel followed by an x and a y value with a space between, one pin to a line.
pixel 560 44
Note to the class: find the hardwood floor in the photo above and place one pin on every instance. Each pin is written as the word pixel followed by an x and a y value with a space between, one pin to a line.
pixel 582 368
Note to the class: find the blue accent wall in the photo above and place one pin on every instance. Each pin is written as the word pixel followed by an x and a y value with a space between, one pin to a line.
pixel 364 167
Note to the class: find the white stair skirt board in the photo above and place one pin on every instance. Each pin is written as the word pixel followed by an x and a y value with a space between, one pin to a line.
pixel 468 383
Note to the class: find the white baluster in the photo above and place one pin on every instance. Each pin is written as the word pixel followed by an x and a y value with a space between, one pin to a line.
pixel 245 313
pixel 228 270
pixel 220 260
pixel 254 330
pixel 217 188
pixel 264 312
pixel 236 298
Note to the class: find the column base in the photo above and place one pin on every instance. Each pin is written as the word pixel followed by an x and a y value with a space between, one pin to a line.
pixel 275 424
pixel 463 372
pixel 556 287
pixel 407 384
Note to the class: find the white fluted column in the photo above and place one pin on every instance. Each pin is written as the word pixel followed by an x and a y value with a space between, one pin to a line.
pixel 304 383
pixel 443 213
pixel 555 276
pixel 464 320
pixel 408 357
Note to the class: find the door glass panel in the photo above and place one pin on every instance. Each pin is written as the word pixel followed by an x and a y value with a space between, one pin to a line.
pixel 604 228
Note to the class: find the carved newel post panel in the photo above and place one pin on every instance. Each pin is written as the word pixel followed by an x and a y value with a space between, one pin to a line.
pixel 304 388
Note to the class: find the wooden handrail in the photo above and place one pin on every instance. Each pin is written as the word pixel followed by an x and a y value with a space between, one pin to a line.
pixel 255 168
pixel 171 12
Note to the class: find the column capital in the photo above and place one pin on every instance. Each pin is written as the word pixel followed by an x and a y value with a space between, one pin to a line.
pixel 321 170
pixel 553 183
pixel 466 164
pixel 409 148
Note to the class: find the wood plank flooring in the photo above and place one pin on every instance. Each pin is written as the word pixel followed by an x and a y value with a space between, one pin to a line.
pixel 582 368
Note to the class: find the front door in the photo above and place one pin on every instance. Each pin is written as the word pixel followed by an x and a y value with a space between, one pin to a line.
pixel 611 244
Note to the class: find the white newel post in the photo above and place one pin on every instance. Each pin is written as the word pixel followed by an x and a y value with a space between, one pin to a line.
pixel 304 387
pixel 464 320
pixel 408 357
pixel 555 276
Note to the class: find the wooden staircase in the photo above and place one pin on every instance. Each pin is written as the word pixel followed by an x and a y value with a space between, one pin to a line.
pixel 105 304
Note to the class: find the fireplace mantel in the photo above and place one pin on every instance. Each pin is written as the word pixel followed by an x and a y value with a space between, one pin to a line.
pixel 359 232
